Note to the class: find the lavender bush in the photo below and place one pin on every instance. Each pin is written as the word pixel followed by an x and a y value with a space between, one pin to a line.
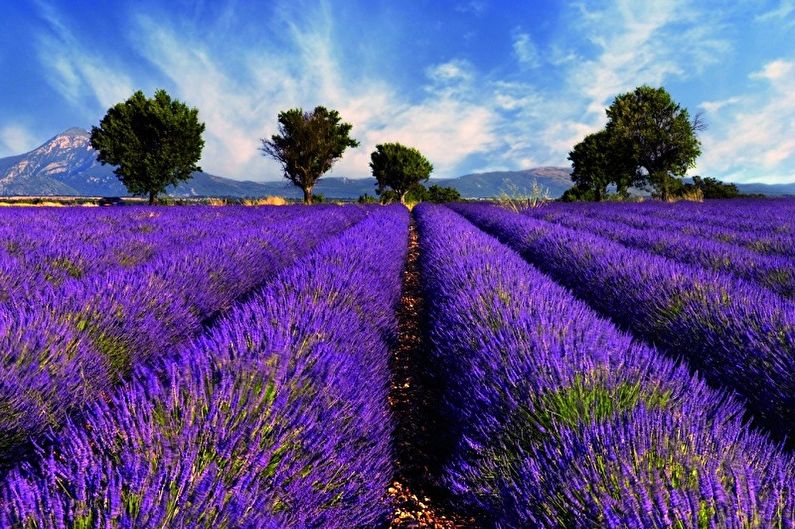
pixel 734 333
pixel 774 272
pixel 558 419
pixel 276 417
pixel 69 342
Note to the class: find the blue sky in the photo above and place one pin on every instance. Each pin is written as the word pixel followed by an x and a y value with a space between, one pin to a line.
pixel 475 85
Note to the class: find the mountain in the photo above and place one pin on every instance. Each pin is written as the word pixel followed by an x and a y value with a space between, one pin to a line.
pixel 67 165
pixel 767 189
pixel 555 180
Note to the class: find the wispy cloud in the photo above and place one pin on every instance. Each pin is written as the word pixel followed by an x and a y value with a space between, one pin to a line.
pixel 783 12
pixel 754 136
pixel 649 42
pixel 240 109
pixel 81 76
pixel 16 139
pixel 464 107
pixel 525 50
pixel 476 7
pixel 630 44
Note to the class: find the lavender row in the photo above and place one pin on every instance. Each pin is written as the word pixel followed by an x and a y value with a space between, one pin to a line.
pixel 277 417
pixel 770 215
pixel 736 334
pixel 559 420
pixel 774 272
pixel 68 345
pixel 760 240
pixel 74 243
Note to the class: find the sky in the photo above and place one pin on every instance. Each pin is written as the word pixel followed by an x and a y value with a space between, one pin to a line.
pixel 476 85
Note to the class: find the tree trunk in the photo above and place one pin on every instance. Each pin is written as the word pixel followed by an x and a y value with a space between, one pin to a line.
pixel 597 194
pixel 307 194
pixel 152 197
pixel 403 197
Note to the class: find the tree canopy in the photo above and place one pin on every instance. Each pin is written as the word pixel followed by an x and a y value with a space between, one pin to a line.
pixel 649 140
pixel 308 144
pixel 657 134
pixel 155 143
pixel 598 161
pixel 398 168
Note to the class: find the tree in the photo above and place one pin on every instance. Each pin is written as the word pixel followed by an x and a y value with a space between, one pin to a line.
pixel 598 161
pixel 577 193
pixel 155 142
pixel 714 188
pixel 657 134
pixel 308 145
pixel 399 168
pixel 441 194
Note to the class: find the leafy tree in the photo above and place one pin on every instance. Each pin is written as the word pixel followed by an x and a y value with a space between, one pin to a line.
pixel 155 142
pixel 577 193
pixel 441 194
pixel 657 135
pixel 399 168
pixel 308 145
pixel 598 161
pixel 416 193
pixel 713 188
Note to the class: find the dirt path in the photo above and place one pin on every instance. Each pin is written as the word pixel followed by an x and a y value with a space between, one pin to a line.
pixel 412 400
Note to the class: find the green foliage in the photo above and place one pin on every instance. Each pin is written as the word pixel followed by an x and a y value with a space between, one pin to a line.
pixel 416 193
pixel 419 193
pixel 155 142
pixel 398 168
pixel 714 188
pixel 308 144
pixel 598 161
pixel 442 194
pixel 367 199
pixel 656 134
pixel 649 140
pixel 577 193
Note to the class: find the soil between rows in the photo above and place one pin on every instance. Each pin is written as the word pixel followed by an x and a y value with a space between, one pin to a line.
pixel 418 501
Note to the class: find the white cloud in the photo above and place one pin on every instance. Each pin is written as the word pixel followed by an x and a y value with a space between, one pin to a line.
pixel 775 71
pixel 782 12
pixel 16 139
pixel 712 107
pixel 240 107
pixel 639 43
pixel 753 139
pixel 82 77
pixel 623 44
pixel 525 50
pixel 451 72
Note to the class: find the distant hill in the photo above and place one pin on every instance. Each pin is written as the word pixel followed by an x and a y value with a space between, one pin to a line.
pixel 767 189
pixel 484 185
pixel 67 165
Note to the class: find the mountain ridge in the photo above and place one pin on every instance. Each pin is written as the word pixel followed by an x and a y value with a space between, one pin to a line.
pixel 66 164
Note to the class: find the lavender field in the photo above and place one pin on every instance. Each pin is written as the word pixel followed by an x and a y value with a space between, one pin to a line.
pixel 577 365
